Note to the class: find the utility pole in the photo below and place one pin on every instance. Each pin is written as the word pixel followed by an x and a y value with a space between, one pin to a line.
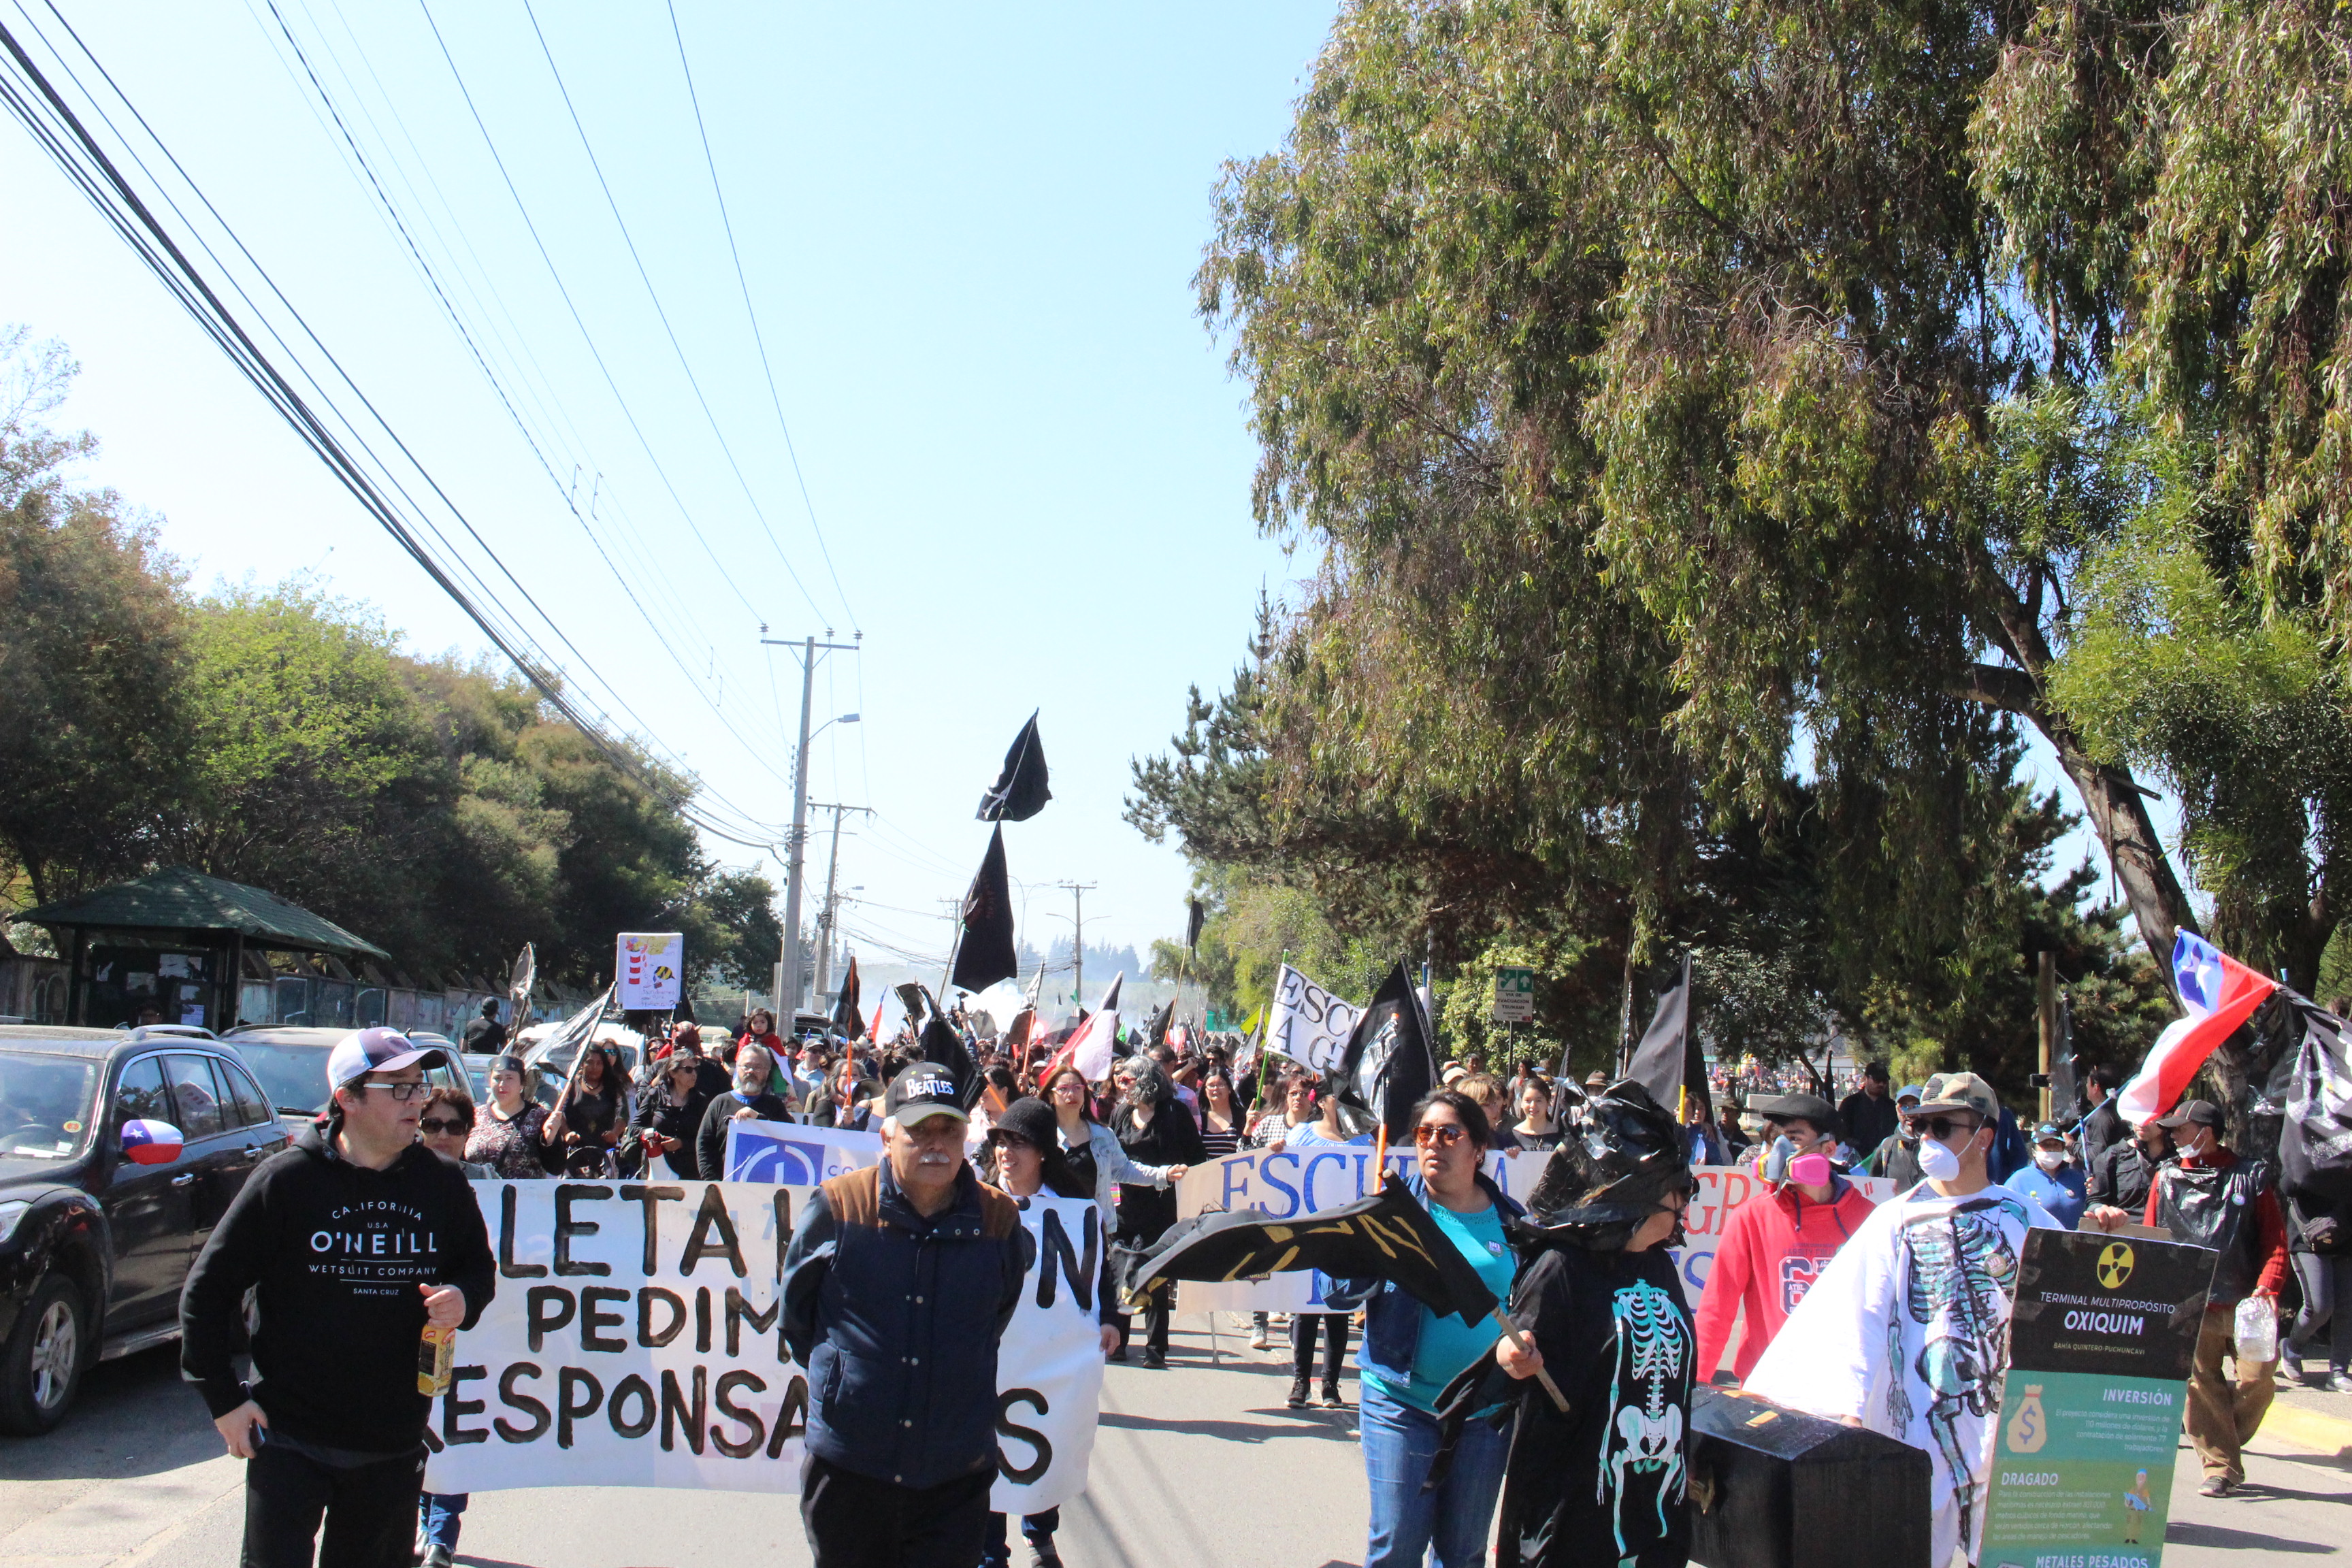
pixel 788 977
pixel 825 920
pixel 1078 891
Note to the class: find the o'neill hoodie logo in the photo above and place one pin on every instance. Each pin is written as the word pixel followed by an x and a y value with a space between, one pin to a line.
pixel 379 1247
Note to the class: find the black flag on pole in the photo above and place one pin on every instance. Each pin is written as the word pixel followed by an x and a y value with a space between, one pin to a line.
pixel 984 951
pixel 1388 1064
pixel 1668 1062
pixel 1196 915
pixel 1155 1028
pixel 1388 1235
pixel 846 1017
pixel 1020 792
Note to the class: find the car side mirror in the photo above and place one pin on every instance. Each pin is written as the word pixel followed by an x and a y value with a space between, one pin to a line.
pixel 146 1143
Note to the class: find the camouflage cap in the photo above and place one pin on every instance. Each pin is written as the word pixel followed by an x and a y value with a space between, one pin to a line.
pixel 1959 1091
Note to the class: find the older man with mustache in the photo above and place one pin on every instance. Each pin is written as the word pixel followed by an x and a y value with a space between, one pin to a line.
pixel 898 1286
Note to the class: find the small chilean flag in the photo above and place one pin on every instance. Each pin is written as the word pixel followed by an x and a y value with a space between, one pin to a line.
pixel 150 1142
pixel 2218 993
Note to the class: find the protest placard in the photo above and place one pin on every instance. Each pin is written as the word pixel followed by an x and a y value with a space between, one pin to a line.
pixel 795 1156
pixel 636 1341
pixel 2101 1338
pixel 1308 1024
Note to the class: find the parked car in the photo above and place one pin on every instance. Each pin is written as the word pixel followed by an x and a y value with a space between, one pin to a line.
pixel 291 1060
pixel 96 1239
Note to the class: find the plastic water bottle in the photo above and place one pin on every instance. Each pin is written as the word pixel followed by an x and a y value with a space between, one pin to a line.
pixel 2257 1330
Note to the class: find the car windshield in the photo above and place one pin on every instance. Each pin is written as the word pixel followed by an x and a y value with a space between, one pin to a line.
pixel 294 1076
pixel 47 1105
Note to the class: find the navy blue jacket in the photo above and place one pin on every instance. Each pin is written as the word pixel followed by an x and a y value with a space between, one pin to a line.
pixel 1391 1318
pixel 897 1319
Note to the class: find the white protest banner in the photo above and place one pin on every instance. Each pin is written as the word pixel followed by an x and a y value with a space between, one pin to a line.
pixel 796 1156
pixel 636 1341
pixel 1287 1183
pixel 1049 1366
pixel 650 967
pixel 1308 1024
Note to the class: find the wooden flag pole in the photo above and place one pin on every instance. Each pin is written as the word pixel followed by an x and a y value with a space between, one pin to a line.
pixel 1526 1346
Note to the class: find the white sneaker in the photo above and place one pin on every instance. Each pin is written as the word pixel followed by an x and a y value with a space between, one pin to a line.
pixel 1257 1339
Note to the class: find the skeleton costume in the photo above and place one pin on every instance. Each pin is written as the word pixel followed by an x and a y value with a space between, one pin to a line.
pixel 1908 1329
pixel 1603 1484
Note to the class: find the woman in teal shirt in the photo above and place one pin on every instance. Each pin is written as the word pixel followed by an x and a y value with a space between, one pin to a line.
pixel 1410 1355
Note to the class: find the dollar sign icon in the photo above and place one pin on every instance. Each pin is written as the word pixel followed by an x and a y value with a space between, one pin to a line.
pixel 2028 1430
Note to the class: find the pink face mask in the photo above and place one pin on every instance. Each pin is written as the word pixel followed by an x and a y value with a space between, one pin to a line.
pixel 1809 1170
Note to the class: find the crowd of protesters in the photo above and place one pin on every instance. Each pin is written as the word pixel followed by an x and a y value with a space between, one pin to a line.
pixel 1453 1433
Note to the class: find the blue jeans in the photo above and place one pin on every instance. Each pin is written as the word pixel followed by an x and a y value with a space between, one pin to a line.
pixel 1037 1528
pixel 1407 1523
pixel 439 1516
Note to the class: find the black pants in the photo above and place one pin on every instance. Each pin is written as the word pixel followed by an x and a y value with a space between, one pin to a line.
pixel 1302 1343
pixel 856 1521
pixel 1037 1528
pixel 369 1510
pixel 1155 1325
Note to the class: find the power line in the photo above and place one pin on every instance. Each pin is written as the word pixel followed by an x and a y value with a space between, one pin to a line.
pixel 743 283
pixel 69 142
pixel 655 295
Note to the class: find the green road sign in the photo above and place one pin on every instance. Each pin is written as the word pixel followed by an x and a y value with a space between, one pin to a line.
pixel 1515 995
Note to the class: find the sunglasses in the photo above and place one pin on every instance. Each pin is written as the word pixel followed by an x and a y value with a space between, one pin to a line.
pixel 1942 1127
pixel 435 1124
pixel 1441 1134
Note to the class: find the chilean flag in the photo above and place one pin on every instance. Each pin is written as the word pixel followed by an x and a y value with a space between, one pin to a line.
pixel 1096 1045
pixel 148 1142
pixel 2217 993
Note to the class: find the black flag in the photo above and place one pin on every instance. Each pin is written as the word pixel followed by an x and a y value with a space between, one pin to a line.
pixel 846 1017
pixel 940 1042
pixel 1388 1235
pixel 984 952
pixel 1155 1028
pixel 1020 792
pixel 1668 1062
pixel 1196 915
pixel 1388 1065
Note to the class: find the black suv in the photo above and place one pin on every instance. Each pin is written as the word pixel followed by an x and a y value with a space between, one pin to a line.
pixel 94 1246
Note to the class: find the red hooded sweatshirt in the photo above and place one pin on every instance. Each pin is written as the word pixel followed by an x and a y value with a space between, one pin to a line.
pixel 1774 1246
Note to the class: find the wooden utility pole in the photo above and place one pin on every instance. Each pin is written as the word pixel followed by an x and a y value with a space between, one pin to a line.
pixel 2045 989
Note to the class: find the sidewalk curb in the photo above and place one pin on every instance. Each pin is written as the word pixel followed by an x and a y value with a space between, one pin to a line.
pixel 2309 1429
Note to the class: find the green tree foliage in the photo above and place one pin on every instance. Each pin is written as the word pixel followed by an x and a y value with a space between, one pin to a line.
pixel 1672 391
pixel 285 738
pixel 91 649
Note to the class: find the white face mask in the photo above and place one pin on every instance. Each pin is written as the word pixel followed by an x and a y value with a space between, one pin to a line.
pixel 2050 1159
pixel 1936 1161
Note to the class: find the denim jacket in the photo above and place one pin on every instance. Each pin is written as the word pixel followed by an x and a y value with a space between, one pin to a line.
pixel 1393 1317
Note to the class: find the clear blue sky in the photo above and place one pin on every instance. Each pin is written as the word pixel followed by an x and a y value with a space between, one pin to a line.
pixel 968 234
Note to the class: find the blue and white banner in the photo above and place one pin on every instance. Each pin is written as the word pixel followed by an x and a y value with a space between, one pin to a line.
pixel 792 1156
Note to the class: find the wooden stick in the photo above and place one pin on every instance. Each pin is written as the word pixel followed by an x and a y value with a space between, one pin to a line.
pixel 1381 1157
pixel 1518 1339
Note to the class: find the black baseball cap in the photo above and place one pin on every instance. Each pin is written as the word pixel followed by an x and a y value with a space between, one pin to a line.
pixel 927 1089
pixel 2203 1112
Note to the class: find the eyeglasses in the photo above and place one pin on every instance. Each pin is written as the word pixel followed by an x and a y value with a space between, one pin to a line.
pixel 403 1092
pixel 1942 1127
pixel 436 1124
pixel 1443 1134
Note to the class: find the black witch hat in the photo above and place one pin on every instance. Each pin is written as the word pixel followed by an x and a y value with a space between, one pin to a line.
pixel 1613 1172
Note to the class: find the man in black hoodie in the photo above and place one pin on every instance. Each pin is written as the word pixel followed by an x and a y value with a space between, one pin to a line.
pixel 355 1240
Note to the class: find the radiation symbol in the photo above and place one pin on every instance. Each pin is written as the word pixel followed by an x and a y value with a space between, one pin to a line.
pixel 2115 1264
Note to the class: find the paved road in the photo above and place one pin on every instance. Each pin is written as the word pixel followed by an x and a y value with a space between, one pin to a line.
pixel 1200 1463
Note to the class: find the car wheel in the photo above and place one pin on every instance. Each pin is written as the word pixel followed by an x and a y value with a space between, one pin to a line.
pixel 42 1363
